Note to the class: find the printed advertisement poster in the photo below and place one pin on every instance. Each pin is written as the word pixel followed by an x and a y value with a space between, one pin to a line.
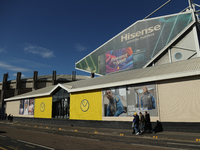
pixel 141 99
pixel 26 104
pixel 114 102
pixel 26 107
pixel 21 107
pixel 120 59
pixel 31 107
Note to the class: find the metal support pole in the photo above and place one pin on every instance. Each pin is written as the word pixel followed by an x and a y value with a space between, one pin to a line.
pixel 157 9
pixel 18 84
pixel 4 88
pixel 35 78
pixel 190 4
pixel 197 5
pixel 54 78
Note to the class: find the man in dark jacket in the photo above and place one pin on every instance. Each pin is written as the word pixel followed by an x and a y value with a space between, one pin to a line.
pixel 142 122
pixel 5 117
pixel 147 100
pixel 148 122
pixel 136 123
pixel 9 118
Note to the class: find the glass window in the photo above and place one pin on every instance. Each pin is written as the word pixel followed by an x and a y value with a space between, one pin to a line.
pixel 60 106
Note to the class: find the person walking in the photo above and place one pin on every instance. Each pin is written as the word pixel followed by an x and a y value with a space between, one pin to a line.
pixel 5 117
pixel 133 127
pixel 136 124
pixel 141 122
pixel 9 118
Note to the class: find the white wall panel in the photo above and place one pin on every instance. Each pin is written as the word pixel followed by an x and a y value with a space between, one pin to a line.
pixel 12 108
pixel 179 100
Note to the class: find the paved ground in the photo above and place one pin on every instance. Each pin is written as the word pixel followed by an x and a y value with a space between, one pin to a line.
pixel 121 132
pixel 60 136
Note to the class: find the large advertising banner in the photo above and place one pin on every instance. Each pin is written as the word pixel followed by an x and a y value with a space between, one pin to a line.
pixel 26 107
pixel 117 60
pixel 136 45
pixel 125 101
pixel 86 105
pixel 43 107
pixel 141 99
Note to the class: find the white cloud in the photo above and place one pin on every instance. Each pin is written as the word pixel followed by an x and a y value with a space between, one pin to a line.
pixel 12 68
pixel 27 62
pixel 45 53
pixel 2 50
pixel 79 47
pixel 16 75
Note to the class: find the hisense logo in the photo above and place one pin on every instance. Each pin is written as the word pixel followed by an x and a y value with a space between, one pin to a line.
pixel 130 36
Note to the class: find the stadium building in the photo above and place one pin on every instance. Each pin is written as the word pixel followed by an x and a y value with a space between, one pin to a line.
pixel 153 65
pixel 10 88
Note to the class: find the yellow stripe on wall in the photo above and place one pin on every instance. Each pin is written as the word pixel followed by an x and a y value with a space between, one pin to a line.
pixel 43 107
pixel 86 105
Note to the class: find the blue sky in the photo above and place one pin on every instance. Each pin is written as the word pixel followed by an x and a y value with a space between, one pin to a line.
pixel 48 35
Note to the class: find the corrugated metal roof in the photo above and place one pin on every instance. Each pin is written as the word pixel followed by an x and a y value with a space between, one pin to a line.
pixel 40 92
pixel 166 71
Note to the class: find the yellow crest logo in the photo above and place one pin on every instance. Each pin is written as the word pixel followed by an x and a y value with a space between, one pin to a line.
pixel 42 107
pixel 84 105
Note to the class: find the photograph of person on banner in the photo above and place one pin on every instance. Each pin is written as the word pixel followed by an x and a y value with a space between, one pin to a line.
pixel 142 98
pixel 26 105
pixel 147 100
pixel 115 107
pixel 31 107
pixel 21 107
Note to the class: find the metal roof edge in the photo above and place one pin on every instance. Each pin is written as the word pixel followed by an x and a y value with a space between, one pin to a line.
pixel 87 71
pixel 66 88
pixel 54 88
pixel 27 96
pixel 59 85
pixel 37 95
pixel 136 81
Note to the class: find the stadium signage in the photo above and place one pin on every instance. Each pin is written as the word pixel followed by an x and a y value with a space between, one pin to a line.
pixel 130 36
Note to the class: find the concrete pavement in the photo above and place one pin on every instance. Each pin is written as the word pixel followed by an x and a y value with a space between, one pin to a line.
pixel 165 135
